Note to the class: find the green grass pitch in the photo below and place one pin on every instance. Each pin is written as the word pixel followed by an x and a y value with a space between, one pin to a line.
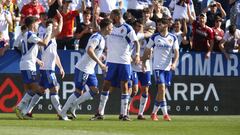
pixel 47 124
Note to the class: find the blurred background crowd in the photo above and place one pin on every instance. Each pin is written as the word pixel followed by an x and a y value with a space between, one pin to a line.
pixel 200 25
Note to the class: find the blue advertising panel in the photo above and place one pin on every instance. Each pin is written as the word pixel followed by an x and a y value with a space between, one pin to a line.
pixel 190 64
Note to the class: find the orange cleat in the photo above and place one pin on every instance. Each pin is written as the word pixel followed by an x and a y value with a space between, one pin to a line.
pixel 166 118
pixel 154 117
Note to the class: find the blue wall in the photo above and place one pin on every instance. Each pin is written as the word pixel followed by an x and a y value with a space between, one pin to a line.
pixel 193 64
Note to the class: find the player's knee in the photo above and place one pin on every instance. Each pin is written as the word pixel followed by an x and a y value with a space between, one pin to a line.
pixel 54 90
pixel 34 87
pixel 106 85
pixel 161 87
pixel 94 90
pixel 134 92
pixel 145 92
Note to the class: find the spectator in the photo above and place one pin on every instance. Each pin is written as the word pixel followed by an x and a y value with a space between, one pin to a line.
pixel 77 4
pixel 14 11
pixel 218 33
pixel 84 30
pixel 3 44
pixel 6 20
pixel 159 11
pixel 202 34
pixel 238 15
pixel 128 17
pixel 233 11
pixel 215 7
pixel 184 44
pixel 135 7
pixel 34 8
pixel 106 6
pixel 42 26
pixel 225 5
pixel 65 38
pixel 231 41
pixel 21 3
pixel 179 9
pixel 18 41
pixel 149 25
pixel 44 3
pixel 53 6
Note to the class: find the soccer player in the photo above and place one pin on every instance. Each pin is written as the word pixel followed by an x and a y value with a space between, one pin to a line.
pixel 119 44
pixel 84 69
pixel 50 59
pixel 28 61
pixel 163 44
pixel 137 74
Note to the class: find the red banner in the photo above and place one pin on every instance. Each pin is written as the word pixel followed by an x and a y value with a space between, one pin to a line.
pixel 14 92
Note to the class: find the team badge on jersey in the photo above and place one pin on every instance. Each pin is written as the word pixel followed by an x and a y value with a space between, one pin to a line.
pixel 170 41
pixel 122 30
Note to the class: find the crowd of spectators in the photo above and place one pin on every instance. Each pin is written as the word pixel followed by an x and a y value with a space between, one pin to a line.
pixel 203 29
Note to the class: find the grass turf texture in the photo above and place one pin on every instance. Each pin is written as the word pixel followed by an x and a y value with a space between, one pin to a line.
pixel 47 124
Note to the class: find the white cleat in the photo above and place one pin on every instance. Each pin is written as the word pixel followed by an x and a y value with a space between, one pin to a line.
pixel 64 117
pixel 73 111
pixel 18 113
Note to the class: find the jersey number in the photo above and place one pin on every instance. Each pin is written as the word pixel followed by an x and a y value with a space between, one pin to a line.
pixel 24 48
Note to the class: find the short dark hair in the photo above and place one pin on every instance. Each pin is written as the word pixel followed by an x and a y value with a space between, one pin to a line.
pixel 23 27
pixel 49 21
pixel 140 21
pixel 163 20
pixel 232 28
pixel 116 12
pixel 43 14
pixel 30 20
pixel 146 10
pixel 87 11
pixel 177 20
pixel 105 22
